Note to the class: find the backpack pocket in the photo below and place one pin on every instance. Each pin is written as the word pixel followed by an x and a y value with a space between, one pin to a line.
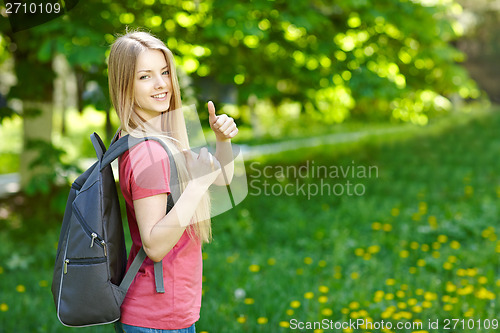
pixel 87 296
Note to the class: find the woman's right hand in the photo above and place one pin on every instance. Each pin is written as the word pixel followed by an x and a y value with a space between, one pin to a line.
pixel 204 169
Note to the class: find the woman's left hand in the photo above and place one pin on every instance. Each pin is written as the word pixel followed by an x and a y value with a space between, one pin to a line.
pixel 223 126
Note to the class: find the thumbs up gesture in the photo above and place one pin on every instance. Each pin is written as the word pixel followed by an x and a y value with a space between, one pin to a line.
pixel 223 126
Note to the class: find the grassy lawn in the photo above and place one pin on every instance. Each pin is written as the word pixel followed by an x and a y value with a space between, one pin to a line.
pixel 415 240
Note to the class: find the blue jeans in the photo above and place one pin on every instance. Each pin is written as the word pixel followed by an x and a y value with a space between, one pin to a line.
pixel 124 328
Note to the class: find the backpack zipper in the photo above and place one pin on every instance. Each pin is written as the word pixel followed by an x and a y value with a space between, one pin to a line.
pixel 82 261
pixel 93 235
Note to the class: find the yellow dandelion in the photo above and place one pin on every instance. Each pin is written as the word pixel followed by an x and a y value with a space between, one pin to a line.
pixel 308 260
pixel 404 254
pixel 323 289
pixel 389 296
pixel 262 320
pixel 430 296
pixel 426 304
pixel 379 294
pixel 482 280
pixel 299 271
pixel 414 245
pixel 498 283
pixel 271 261
pixel 400 294
pixel 417 309
pixel 327 312
pixel 468 190
pixel 395 211
pixel 354 305
pixel 359 252
pixel 436 245
pixel 4 307
pixel 1 270
pixel 448 307
pixel 484 293
pixel 290 312
pixel 249 301
pixel 241 319
pixel 295 304
pixel 413 270
pixel 419 292
pixel 20 288
pixel 390 282
pixel 469 313
pixel 425 247
pixel 432 221
pixel 422 207
pixel 347 330
pixel 421 262
pixel 318 330
pixel 322 263
pixel 387 227
pixel 284 324
pixel 376 225
pixel 354 275
pixel 455 245
pixel 323 299
pixel 447 266
pixel 450 287
pixel 471 272
pixel 344 310
pixel 374 249
pixel 230 259
pixel 367 256
pixel 465 290
pixel 436 254
pixel 442 238
pixel 254 268
pixel 412 301
pixel 309 295
pixel 402 305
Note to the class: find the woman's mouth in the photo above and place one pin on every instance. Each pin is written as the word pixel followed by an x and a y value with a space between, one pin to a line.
pixel 160 97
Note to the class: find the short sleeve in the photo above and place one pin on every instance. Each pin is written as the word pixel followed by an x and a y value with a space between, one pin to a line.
pixel 150 170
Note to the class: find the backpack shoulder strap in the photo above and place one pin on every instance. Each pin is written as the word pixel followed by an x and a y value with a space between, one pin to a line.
pixel 116 149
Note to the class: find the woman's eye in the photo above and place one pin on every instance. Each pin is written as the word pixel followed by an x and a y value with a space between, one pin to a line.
pixel 143 77
pixel 167 72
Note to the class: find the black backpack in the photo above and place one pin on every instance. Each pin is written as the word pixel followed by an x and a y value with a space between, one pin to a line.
pixel 89 282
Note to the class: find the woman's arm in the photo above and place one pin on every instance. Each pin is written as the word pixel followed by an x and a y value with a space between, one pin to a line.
pixel 159 231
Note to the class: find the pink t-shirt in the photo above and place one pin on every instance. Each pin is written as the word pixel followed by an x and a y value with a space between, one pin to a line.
pixel 145 171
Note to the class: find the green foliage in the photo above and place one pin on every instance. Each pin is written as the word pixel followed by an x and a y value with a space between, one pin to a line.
pixel 376 59
pixel 49 168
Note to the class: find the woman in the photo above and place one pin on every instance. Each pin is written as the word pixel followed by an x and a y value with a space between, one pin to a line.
pixel 145 93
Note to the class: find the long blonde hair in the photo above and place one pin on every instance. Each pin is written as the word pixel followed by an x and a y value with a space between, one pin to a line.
pixel 121 70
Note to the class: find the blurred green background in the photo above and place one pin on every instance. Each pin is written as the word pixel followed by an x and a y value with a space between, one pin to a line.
pixel 407 87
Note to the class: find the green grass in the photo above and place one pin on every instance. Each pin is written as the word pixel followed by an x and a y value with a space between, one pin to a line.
pixel 421 243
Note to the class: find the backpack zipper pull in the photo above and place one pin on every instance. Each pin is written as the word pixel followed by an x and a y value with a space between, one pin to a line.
pixel 104 246
pixel 94 236
pixel 66 262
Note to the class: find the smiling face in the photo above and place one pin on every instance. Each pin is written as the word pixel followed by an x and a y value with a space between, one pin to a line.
pixel 152 84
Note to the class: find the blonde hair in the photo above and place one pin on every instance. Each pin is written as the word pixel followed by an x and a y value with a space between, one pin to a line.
pixel 121 70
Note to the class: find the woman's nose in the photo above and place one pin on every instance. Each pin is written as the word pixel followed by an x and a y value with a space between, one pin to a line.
pixel 160 83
